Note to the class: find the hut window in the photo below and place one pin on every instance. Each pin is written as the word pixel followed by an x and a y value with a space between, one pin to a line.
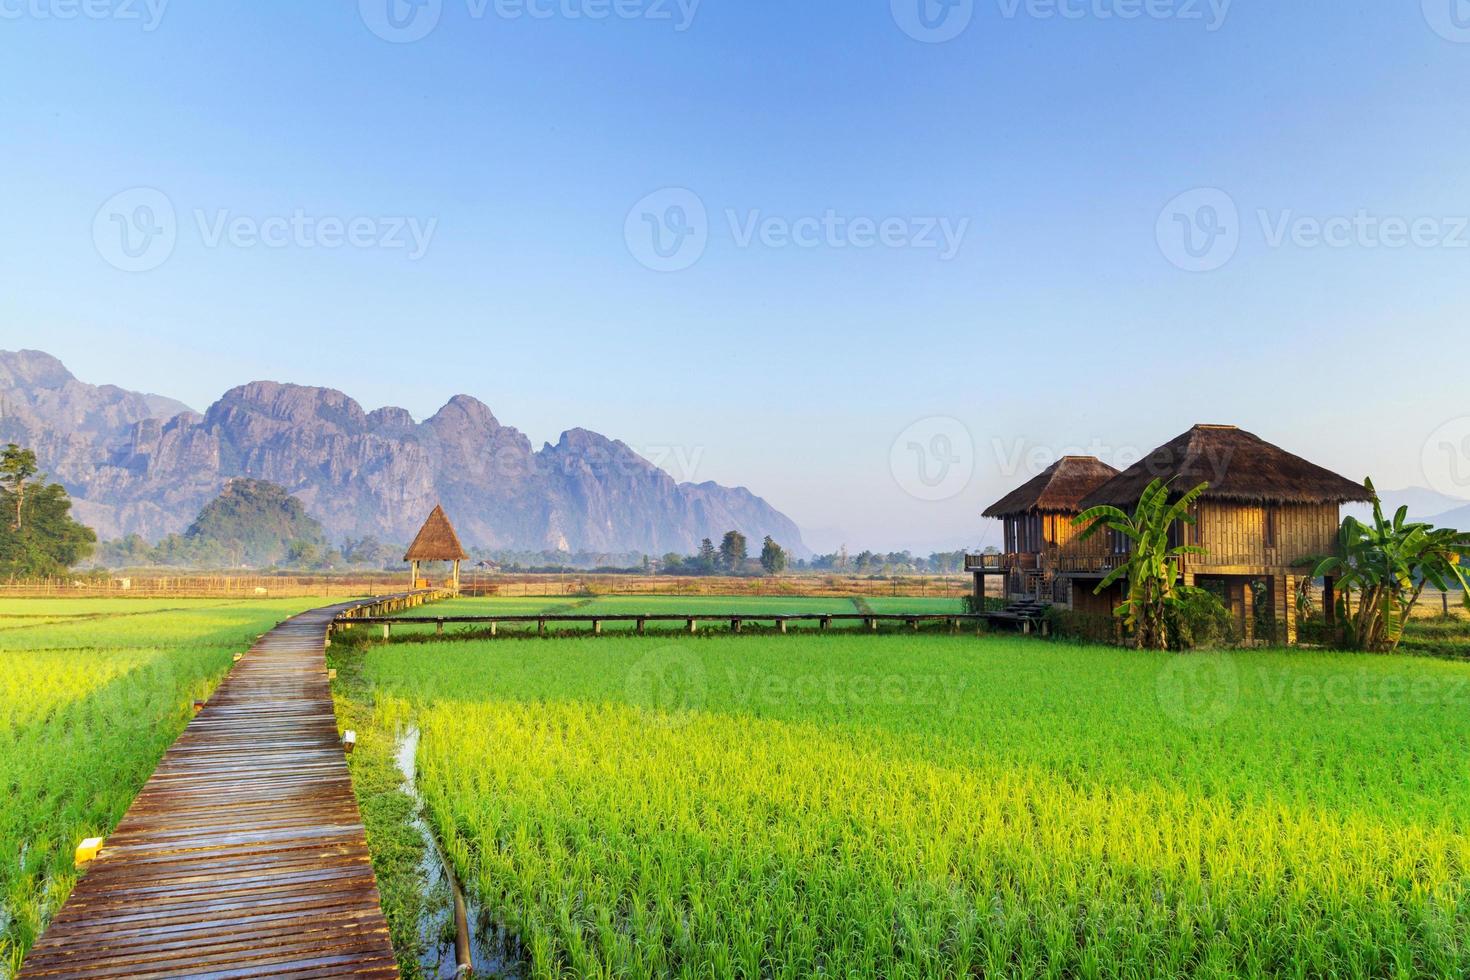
pixel 1273 519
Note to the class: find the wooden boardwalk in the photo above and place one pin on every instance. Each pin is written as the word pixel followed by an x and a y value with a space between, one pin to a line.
pixel 244 855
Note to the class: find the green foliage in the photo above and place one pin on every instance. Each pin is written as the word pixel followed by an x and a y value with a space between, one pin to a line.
pixel 257 524
pixel 1068 624
pixel 732 552
pixel 773 557
pixel 39 539
pixel 708 557
pixel 1382 570
pixel 937 806
pixel 1197 618
pixel 1153 565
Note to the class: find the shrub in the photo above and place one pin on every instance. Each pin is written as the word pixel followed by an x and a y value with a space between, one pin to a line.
pixel 1082 627
pixel 1199 619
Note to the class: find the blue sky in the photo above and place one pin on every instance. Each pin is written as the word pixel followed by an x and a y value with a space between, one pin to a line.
pixel 1066 148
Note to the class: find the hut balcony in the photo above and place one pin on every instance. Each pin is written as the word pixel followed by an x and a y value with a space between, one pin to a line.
pixel 996 564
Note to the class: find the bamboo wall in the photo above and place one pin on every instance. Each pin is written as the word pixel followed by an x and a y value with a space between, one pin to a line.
pixel 1235 535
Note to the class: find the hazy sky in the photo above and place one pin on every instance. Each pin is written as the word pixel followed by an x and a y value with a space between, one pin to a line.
pixel 875 259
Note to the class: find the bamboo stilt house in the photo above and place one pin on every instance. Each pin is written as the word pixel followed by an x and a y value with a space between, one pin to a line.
pixel 1040 541
pixel 1265 511
pixel 436 541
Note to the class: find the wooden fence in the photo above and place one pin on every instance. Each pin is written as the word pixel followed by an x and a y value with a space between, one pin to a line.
pixel 477 584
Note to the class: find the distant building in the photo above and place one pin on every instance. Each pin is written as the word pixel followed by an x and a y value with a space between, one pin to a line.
pixel 436 541
pixel 1265 511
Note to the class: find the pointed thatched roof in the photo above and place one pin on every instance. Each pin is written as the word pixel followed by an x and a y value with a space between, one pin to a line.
pixel 1058 489
pixel 1239 467
pixel 436 541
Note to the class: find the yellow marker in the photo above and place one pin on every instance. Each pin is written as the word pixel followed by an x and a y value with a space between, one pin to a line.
pixel 239 657
pixel 332 674
pixel 87 850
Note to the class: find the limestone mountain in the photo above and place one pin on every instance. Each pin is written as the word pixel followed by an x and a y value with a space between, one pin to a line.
pixel 134 469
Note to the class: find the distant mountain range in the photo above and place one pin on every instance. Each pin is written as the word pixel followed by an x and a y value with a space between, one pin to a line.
pixel 146 464
pixel 1424 504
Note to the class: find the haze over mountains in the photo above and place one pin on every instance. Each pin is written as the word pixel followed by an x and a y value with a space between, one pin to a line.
pixel 146 464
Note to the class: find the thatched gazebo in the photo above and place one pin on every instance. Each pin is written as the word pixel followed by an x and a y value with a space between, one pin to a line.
pixel 436 541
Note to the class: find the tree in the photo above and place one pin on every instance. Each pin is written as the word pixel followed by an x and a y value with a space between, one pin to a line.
pixel 1152 568
pixel 708 557
pixel 42 539
pixel 733 551
pixel 255 523
pixel 773 557
pixel 17 466
pixel 1388 564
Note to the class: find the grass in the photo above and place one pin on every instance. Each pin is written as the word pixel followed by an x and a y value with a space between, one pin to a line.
pixel 941 806
pixel 92 692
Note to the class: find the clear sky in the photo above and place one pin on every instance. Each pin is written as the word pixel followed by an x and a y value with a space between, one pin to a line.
pixel 879 247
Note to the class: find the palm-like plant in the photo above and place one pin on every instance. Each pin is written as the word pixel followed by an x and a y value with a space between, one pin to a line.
pixel 1388 564
pixel 1153 565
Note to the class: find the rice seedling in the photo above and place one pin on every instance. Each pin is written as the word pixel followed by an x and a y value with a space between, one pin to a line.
pixel 91 694
pixel 945 806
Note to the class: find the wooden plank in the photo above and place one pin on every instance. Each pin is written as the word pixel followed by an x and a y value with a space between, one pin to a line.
pixel 244 855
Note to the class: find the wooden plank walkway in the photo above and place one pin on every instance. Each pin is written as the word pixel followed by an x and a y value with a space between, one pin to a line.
pixel 244 855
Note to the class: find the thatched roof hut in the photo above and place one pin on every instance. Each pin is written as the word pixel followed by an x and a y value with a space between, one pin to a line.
pixel 1058 489
pixel 436 541
pixel 1240 467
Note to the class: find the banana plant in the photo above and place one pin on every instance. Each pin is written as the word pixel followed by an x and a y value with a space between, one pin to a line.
pixel 1153 565
pixel 1386 567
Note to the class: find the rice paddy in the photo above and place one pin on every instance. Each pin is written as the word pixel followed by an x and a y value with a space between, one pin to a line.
pixel 940 806
pixel 91 694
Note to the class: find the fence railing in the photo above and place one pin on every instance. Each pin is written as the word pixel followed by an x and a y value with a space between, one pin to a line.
pixel 736 621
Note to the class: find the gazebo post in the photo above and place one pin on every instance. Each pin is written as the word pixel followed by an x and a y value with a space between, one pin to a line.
pixel 456 575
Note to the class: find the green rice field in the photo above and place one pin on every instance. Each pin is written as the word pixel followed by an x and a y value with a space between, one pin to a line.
pixel 934 805
pixel 92 692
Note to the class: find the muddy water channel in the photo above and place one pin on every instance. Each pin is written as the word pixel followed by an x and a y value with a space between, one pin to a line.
pixel 490 952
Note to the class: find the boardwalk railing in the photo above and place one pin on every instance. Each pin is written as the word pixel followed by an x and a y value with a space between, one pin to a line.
pixel 736 621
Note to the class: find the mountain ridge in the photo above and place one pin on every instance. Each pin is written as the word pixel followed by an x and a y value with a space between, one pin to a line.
pixel 359 472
